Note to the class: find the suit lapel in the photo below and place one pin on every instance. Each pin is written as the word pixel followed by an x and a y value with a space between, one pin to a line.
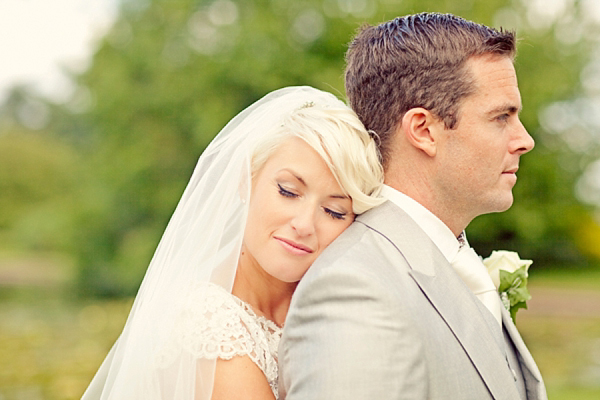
pixel 444 289
pixel 533 378
pixel 470 327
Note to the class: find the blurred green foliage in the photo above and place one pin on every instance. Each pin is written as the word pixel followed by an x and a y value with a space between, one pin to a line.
pixel 101 178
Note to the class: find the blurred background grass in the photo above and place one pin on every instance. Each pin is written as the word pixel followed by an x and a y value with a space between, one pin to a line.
pixel 88 180
pixel 51 343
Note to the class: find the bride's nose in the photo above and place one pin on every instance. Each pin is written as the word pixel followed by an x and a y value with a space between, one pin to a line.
pixel 304 221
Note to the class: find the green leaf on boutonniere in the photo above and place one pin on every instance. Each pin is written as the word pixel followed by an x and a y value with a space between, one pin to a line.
pixel 515 286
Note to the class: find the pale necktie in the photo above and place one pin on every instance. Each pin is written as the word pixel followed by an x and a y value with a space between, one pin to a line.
pixel 470 268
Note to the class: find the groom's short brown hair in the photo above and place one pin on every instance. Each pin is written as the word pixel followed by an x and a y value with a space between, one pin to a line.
pixel 416 61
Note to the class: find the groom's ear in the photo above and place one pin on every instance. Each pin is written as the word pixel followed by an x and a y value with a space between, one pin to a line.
pixel 418 127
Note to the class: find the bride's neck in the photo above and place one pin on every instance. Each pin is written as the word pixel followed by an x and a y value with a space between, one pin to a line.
pixel 266 295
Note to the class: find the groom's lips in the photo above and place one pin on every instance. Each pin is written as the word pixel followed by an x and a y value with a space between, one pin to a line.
pixel 294 247
pixel 511 174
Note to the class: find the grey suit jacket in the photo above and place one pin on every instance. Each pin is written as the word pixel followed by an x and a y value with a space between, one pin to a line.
pixel 382 315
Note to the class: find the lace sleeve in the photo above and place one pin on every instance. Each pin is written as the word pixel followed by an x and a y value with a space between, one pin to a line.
pixel 215 324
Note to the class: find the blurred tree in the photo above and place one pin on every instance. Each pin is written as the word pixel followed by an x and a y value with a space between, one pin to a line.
pixel 38 178
pixel 171 73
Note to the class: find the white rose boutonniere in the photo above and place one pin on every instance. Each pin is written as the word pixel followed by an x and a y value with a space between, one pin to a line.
pixel 509 274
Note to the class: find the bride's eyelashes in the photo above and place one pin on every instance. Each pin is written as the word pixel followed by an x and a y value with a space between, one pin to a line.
pixel 335 214
pixel 289 194
pixel 286 193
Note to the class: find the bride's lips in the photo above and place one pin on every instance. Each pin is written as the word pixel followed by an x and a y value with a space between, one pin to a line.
pixel 293 247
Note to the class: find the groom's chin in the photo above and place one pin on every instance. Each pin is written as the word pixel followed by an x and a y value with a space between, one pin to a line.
pixel 497 203
pixel 504 203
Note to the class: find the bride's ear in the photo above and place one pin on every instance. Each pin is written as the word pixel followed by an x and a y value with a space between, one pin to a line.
pixel 419 127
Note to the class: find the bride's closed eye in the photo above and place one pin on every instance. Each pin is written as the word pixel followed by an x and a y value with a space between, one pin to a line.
pixel 285 192
pixel 335 214
pixel 332 213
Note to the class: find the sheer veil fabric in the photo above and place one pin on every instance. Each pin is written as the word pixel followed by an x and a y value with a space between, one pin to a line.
pixel 200 244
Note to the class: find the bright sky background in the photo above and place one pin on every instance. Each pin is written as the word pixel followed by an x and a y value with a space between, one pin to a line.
pixel 41 38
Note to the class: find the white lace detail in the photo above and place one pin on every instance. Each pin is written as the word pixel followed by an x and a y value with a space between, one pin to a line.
pixel 216 324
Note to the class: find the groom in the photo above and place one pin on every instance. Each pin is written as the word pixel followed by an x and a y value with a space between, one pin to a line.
pixel 399 306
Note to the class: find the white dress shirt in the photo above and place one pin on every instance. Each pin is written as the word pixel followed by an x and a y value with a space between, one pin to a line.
pixel 437 231
pixel 468 266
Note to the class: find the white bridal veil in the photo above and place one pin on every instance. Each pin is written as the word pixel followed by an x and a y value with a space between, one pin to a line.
pixel 201 243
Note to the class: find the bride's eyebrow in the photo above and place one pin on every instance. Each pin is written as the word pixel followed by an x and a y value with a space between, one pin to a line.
pixel 299 178
pixel 295 175
pixel 340 196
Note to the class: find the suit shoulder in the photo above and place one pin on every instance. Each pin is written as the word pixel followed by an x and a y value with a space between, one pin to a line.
pixel 358 243
pixel 360 256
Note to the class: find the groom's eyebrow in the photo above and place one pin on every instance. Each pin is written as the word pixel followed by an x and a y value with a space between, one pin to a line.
pixel 508 107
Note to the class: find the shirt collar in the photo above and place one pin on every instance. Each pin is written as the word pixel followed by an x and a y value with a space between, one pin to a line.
pixel 437 231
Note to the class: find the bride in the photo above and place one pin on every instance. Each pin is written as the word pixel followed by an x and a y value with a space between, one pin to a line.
pixel 278 184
